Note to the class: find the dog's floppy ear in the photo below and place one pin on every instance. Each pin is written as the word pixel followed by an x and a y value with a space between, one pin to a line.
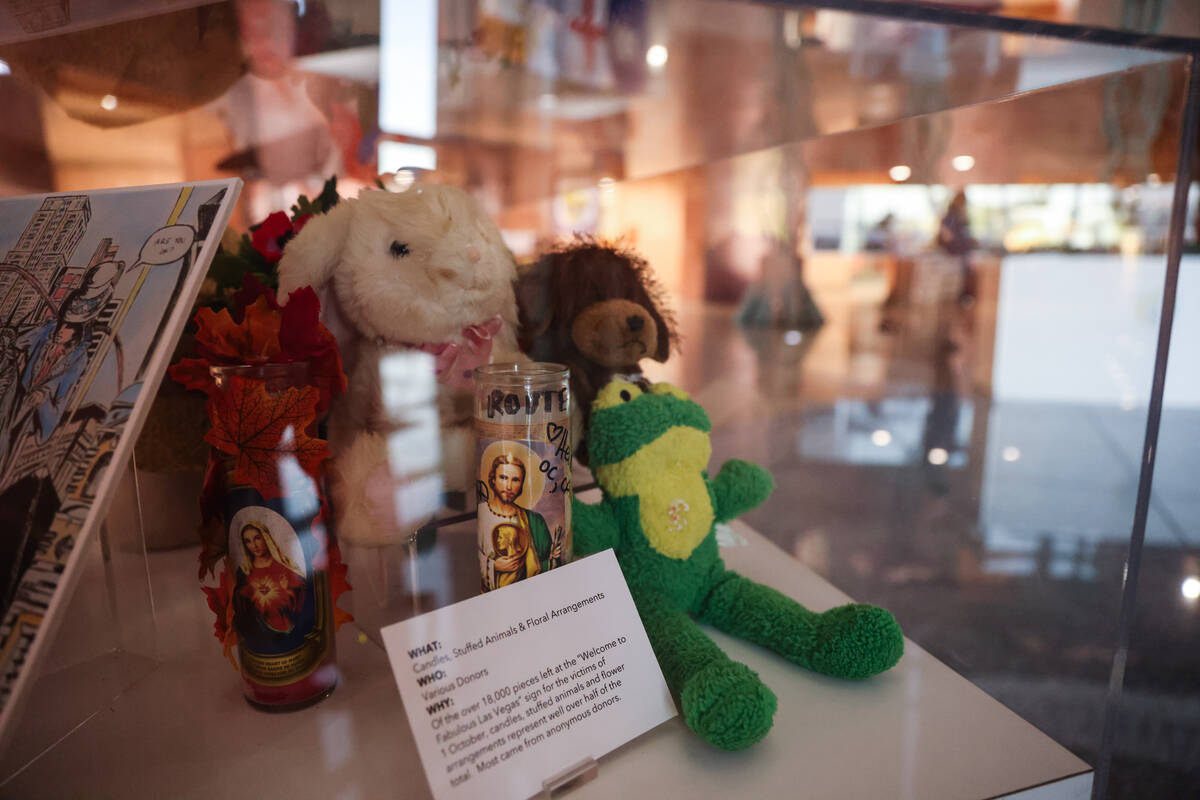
pixel 533 301
pixel 665 334
pixel 309 259
pixel 646 291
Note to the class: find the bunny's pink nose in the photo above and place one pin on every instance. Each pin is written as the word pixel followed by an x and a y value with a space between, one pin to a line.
pixel 472 253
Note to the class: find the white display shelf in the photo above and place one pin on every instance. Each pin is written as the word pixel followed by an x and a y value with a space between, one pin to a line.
pixel 182 729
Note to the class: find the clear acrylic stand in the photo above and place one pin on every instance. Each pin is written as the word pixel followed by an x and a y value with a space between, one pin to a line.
pixel 106 640
pixel 569 778
pixel 387 581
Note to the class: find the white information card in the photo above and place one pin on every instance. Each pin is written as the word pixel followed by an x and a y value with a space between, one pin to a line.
pixel 512 687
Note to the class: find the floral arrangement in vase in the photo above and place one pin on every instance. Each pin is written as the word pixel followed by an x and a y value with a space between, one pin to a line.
pixel 257 252
pixel 170 455
pixel 265 443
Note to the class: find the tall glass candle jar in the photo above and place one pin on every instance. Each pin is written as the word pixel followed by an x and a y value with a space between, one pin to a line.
pixel 523 462
pixel 278 542
pixel 390 582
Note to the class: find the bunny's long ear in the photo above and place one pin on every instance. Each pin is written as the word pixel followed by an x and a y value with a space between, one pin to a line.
pixel 309 259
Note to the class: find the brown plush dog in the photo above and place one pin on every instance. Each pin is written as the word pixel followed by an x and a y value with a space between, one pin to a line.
pixel 598 309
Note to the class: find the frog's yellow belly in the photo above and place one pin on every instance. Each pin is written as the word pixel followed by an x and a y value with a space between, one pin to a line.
pixel 667 478
pixel 676 514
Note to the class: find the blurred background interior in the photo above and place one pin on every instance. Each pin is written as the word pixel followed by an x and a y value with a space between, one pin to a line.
pixel 918 266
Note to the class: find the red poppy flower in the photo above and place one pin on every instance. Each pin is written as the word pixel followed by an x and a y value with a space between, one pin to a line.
pixel 271 235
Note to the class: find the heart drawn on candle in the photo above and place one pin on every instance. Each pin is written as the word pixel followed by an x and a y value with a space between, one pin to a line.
pixel 555 432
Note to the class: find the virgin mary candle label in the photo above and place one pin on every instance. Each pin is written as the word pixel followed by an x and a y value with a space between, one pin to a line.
pixel 281 600
pixel 523 461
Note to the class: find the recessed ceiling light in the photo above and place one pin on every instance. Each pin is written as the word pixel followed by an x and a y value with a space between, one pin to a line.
pixel 400 181
pixel 938 456
pixel 656 56
pixel 900 173
pixel 962 163
pixel 881 438
pixel 1190 588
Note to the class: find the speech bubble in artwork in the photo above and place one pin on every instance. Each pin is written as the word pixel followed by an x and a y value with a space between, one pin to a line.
pixel 167 244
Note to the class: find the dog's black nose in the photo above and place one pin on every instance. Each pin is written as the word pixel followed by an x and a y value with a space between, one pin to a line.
pixel 635 322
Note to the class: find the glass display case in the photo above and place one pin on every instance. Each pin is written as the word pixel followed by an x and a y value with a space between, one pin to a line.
pixel 925 264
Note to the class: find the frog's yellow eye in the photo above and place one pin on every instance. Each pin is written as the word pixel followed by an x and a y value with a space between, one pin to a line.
pixel 668 389
pixel 616 393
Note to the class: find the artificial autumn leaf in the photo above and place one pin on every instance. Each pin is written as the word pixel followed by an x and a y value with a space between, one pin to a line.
pixel 301 333
pixel 338 585
pixel 254 341
pixel 192 374
pixel 220 601
pixel 213 544
pixel 325 373
pixel 302 337
pixel 252 289
pixel 260 429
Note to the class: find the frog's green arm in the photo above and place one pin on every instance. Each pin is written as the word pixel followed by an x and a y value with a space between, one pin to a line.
pixel 593 527
pixel 739 487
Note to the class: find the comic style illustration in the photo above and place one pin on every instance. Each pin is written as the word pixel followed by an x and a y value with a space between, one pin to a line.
pixel 88 285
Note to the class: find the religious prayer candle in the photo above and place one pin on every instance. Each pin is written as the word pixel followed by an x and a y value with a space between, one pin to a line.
pixel 523 461
pixel 277 560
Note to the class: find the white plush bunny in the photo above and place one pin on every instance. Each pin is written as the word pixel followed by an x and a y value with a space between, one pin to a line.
pixel 423 269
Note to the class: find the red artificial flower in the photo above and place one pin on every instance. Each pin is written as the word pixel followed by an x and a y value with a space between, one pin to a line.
pixel 271 235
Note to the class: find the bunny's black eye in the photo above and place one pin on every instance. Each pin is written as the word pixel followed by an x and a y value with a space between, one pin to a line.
pixel 399 249
pixel 625 396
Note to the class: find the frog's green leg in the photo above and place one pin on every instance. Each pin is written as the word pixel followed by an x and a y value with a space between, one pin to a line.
pixel 723 701
pixel 850 641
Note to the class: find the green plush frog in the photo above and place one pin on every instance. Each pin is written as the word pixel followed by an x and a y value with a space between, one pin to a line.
pixel 649 451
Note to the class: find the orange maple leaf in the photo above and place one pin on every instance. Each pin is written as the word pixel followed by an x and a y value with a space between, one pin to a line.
pixel 338 585
pixel 192 374
pixel 220 601
pixel 261 430
pixel 212 544
pixel 254 341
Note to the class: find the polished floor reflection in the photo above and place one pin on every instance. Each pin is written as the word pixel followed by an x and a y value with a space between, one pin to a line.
pixel 918 469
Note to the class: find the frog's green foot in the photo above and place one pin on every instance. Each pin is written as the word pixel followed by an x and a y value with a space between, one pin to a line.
pixel 856 641
pixel 727 705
